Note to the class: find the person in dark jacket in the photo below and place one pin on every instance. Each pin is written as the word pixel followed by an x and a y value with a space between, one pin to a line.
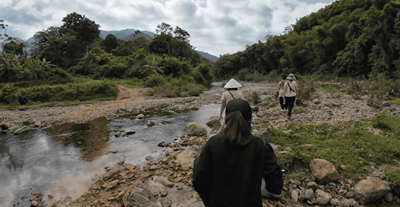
pixel 229 170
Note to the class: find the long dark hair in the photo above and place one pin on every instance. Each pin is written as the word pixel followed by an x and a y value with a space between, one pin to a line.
pixel 237 128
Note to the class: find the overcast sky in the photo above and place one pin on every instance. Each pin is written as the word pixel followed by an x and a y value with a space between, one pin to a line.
pixel 216 26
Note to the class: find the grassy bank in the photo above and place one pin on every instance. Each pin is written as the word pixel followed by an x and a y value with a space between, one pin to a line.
pixel 354 145
pixel 13 95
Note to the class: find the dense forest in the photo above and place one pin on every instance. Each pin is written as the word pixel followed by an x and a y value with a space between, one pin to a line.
pixel 349 38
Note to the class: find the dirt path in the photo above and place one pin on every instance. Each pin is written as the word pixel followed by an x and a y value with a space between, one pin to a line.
pixel 124 96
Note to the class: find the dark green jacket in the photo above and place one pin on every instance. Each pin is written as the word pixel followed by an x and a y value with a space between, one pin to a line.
pixel 226 175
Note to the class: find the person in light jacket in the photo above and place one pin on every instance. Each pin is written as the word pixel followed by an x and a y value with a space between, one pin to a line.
pixel 281 97
pixel 289 93
pixel 229 170
pixel 232 93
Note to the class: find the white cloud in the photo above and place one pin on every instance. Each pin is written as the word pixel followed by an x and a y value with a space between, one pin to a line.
pixel 217 27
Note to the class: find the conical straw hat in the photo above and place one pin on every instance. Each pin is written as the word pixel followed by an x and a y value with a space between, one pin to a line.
pixel 232 83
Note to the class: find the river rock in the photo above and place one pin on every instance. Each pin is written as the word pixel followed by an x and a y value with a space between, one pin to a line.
pixel 118 134
pixel 141 196
pixel 163 192
pixel 34 203
pixel 309 194
pixel 345 203
pixel 5 126
pixel 263 134
pixel 316 101
pixel 195 129
pixel 128 132
pixel 312 185
pixel 389 197
pixel 151 123
pixel 349 194
pixel 214 122
pixel 140 116
pixel 323 198
pixel 386 104
pixel 299 102
pixel 335 202
pixel 21 130
pixel 165 182
pixel 29 122
pixel 323 171
pixel 294 195
pixel 371 189
pixel 22 108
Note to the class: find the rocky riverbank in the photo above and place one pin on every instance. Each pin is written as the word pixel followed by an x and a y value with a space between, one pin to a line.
pixel 166 181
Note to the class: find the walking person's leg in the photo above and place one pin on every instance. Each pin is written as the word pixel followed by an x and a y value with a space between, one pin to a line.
pixel 290 102
pixel 281 102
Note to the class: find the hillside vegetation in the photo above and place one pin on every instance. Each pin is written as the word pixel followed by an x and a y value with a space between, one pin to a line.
pixel 349 38
pixel 64 56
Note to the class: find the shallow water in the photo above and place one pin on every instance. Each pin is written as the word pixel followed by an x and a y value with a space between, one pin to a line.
pixel 32 161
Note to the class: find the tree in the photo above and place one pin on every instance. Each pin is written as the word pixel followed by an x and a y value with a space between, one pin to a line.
pixel 14 45
pixel 65 45
pixel 110 43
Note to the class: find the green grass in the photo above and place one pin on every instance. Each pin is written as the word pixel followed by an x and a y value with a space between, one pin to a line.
pixel 394 176
pixel 356 148
pixel 328 88
pixel 83 90
pixel 396 101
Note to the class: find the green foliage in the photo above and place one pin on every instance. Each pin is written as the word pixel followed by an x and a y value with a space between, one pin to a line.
pixel 356 148
pixel 394 175
pixel 110 43
pixel 255 77
pixel 50 93
pixel 155 80
pixel 346 39
pixel 64 46
pixel 255 97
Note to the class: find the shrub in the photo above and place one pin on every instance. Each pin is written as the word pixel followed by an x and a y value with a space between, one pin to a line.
pixel 155 80
pixel 394 176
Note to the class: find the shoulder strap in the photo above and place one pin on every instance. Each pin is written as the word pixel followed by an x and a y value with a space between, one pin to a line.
pixel 291 89
pixel 231 95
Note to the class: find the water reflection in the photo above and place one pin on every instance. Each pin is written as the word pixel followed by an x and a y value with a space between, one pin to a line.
pixel 32 161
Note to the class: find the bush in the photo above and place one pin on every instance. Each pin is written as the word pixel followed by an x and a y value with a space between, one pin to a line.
pixel 394 176
pixel 155 80
pixel 256 77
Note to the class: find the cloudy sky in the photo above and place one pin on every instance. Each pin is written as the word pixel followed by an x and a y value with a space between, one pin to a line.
pixel 216 26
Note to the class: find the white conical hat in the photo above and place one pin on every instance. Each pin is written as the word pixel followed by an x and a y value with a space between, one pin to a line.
pixel 232 83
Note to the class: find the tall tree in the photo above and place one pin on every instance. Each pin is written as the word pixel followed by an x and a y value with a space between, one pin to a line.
pixel 110 43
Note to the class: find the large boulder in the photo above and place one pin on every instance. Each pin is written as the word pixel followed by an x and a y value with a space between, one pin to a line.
pixel 323 171
pixel 195 129
pixel 371 189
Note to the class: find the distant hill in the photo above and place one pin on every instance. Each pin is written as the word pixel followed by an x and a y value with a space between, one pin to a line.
pixel 135 36
pixel 208 56
pixel 123 33
pixel 127 35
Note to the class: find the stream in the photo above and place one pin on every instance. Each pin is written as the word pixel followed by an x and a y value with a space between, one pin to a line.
pixel 31 162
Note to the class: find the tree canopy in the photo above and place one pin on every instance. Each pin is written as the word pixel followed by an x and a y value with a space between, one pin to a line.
pixel 349 38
